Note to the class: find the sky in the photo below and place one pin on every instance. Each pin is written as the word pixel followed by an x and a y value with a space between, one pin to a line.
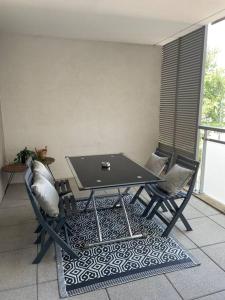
pixel 216 39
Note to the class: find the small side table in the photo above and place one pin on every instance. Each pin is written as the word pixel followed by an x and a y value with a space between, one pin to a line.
pixel 48 161
pixel 12 169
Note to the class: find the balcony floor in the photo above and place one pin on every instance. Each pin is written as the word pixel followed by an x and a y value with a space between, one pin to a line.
pixel 19 279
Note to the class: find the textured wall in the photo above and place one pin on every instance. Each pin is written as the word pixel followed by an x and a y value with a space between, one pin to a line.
pixel 79 97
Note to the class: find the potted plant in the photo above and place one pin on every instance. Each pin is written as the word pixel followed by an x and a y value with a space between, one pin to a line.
pixel 23 155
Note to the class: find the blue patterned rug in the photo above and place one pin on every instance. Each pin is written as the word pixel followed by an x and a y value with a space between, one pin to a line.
pixel 113 264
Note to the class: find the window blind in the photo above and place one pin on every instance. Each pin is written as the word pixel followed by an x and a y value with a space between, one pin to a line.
pixel 180 92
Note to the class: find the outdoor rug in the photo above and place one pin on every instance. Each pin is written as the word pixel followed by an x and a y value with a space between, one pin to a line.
pixel 112 264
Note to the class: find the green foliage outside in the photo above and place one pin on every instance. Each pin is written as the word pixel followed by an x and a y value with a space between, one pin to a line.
pixel 213 109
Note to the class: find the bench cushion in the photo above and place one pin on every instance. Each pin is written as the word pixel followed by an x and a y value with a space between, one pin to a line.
pixel 175 179
pixel 156 164
pixel 46 195
pixel 41 169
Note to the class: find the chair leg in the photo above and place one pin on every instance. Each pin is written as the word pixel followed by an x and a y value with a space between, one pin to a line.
pixel 137 195
pixel 57 239
pixel 88 201
pixel 155 209
pixel 126 190
pixel 38 229
pixel 45 245
pixel 43 250
pixel 149 206
pixel 40 237
pixel 175 218
pixel 69 230
pixel 182 217
pixel 163 207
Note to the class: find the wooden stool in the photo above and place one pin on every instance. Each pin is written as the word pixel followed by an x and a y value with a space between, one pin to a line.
pixel 12 169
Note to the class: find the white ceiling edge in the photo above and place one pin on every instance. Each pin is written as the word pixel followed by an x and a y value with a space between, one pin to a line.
pixel 193 27
pixel 151 30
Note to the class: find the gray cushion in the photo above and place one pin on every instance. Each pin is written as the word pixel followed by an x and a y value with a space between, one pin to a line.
pixel 175 179
pixel 156 164
pixel 46 195
pixel 41 169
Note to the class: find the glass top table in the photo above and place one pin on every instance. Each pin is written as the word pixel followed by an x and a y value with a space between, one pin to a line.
pixel 123 172
pixel 89 174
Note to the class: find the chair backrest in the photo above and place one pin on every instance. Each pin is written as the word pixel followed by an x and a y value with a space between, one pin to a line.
pixel 164 153
pixel 191 165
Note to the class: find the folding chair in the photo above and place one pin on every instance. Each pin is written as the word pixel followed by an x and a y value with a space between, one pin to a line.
pixel 50 227
pixel 62 186
pixel 159 198
pixel 161 153
pixel 164 153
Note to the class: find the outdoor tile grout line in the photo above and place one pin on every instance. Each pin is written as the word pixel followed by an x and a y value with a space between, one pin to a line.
pixel 201 297
pixel 107 292
pixel 29 221
pixel 17 288
pixel 173 286
pixel 17 249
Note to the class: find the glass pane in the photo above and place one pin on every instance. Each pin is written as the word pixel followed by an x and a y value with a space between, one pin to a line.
pixel 214 183
pixel 213 108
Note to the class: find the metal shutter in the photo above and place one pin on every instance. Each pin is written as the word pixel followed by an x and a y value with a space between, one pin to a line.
pixel 168 94
pixel 180 92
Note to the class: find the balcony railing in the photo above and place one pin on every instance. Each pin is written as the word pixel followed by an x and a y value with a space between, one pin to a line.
pixel 212 152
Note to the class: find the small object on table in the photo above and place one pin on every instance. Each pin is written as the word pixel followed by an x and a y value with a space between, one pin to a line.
pixel 48 161
pixel 105 164
pixel 12 169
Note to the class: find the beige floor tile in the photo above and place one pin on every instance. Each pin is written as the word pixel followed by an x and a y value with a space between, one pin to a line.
pixel 17 236
pixel 198 281
pixel 219 219
pixel 47 267
pixel 17 269
pixel 16 215
pixel 8 203
pixel 16 191
pixel 216 296
pixel 49 291
pixel 205 231
pixel 203 207
pixel 156 287
pixel 183 239
pixel 26 293
pixel 216 253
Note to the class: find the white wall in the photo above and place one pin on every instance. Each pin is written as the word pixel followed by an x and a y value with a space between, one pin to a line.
pixel 79 97
pixel 2 157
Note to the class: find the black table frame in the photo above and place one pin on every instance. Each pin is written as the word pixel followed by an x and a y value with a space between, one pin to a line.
pixel 118 204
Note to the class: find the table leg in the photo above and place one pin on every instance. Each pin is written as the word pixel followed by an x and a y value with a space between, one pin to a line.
pixel 125 213
pixel 97 219
pixel 8 183
pixel 89 200
pixel 131 235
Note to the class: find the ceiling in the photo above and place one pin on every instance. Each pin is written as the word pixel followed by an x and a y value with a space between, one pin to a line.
pixel 133 21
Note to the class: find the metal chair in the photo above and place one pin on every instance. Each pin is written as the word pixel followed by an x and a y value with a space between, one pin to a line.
pixel 159 198
pixel 49 227
pixel 62 186
pixel 164 153
pixel 161 153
